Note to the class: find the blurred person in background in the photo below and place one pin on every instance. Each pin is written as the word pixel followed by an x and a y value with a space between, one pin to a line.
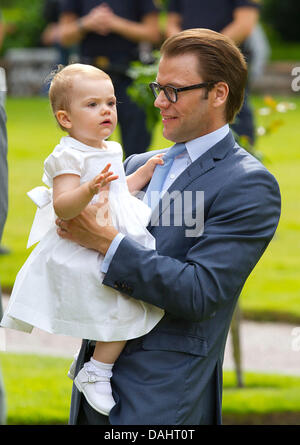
pixel 3 193
pixel 50 35
pixel 236 19
pixel 258 46
pixel 108 34
pixel 1 30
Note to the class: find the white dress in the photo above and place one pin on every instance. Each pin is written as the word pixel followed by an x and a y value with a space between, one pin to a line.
pixel 59 288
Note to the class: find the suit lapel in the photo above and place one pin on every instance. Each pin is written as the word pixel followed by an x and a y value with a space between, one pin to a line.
pixel 198 168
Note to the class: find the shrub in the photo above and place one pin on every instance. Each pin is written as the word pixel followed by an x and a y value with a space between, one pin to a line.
pixel 283 17
pixel 28 22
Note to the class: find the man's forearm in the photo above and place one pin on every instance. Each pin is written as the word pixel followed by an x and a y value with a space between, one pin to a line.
pixel 243 24
pixel 148 30
pixel 173 25
pixel 70 33
pixel 101 21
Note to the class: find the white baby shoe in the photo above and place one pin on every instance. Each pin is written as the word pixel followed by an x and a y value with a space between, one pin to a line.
pixel 96 388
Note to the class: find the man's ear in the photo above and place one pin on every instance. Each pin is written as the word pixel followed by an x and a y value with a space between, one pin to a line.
pixel 63 119
pixel 220 94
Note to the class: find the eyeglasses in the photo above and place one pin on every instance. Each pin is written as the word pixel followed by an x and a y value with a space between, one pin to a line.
pixel 171 92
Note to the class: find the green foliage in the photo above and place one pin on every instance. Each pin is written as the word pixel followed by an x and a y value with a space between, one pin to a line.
pixel 284 17
pixel 162 4
pixel 26 16
pixel 139 90
pixel 7 3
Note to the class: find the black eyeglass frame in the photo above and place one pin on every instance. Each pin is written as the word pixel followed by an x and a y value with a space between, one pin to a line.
pixel 153 85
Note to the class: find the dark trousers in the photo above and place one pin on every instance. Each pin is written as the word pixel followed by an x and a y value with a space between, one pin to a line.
pixel 132 119
pixel 244 122
pixel 81 413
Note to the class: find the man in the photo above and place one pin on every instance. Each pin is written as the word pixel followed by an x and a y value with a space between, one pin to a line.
pixel 49 36
pixel 108 34
pixel 173 375
pixel 234 18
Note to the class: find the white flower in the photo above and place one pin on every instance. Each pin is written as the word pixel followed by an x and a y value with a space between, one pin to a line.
pixel 264 111
pixel 261 131
pixel 282 107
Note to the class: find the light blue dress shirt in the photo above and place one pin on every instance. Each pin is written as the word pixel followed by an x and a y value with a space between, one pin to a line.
pixel 194 149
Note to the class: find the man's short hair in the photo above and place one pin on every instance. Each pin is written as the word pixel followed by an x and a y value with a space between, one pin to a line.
pixel 219 60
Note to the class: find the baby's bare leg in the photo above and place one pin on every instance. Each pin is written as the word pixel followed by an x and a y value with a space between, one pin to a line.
pixel 108 352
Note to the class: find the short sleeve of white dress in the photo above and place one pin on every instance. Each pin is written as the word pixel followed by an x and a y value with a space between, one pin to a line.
pixel 62 160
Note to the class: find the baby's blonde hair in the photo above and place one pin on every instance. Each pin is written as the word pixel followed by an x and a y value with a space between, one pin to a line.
pixel 61 84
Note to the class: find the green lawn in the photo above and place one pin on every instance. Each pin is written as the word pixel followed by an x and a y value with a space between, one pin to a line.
pixel 273 289
pixel 38 392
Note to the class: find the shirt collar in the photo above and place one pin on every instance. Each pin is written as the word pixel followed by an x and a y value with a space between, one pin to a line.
pixel 197 147
pixel 68 141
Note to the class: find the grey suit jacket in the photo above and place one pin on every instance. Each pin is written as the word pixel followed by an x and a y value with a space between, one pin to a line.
pixel 3 176
pixel 3 170
pixel 173 375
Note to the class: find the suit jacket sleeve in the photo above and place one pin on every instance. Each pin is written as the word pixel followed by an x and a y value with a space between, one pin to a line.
pixel 240 223
pixel 3 171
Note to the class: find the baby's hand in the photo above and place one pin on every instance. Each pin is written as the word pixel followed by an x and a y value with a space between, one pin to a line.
pixel 153 162
pixel 137 180
pixel 102 180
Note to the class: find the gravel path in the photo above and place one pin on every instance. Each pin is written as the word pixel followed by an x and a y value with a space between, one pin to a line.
pixel 267 347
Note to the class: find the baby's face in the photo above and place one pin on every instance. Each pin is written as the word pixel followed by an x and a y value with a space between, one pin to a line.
pixel 93 112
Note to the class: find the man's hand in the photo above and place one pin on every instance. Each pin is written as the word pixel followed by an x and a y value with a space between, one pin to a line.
pixel 91 229
pixel 99 20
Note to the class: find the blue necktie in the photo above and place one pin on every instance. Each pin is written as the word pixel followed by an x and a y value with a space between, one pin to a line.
pixel 160 173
